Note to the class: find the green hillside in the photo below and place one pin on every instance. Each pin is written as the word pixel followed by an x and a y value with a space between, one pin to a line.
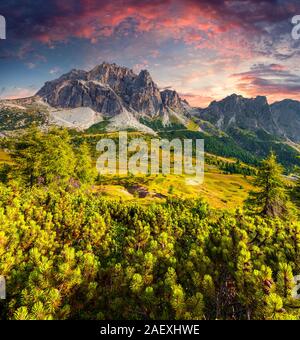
pixel 74 245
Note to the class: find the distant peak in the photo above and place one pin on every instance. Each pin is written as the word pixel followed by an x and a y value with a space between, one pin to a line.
pixel 234 96
pixel 144 78
pixel 106 65
pixel 262 99
pixel 287 101
pixel 145 74
pixel 74 74
pixel 107 69
pixel 169 91
pixel 238 97
pixel 75 70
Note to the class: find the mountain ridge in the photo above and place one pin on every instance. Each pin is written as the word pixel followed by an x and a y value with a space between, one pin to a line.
pixel 109 91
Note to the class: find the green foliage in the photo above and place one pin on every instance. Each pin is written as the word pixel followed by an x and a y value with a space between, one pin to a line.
pixel 43 158
pixel 68 253
pixel 247 147
pixel 157 125
pixel 296 191
pixel 12 119
pixel 84 167
pixel 231 167
pixel 261 143
pixel 99 127
pixel 171 190
pixel 74 255
pixel 271 198
pixel 222 146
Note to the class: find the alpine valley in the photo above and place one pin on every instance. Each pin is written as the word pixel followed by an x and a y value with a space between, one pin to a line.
pixel 112 98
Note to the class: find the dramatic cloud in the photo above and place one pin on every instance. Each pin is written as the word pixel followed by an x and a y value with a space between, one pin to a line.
pixel 191 20
pixel 274 81
pixel 193 45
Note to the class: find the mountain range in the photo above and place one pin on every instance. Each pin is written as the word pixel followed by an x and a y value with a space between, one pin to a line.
pixel 110 97
pixel 113 94
pixel 281 119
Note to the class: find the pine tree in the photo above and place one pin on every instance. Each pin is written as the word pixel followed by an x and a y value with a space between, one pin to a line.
pixel 43 158
pixel 270 199
pixel 84 168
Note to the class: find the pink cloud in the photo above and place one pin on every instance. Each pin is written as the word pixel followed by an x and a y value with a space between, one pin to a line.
pixel 274 81
pixel 16 93
pixel 186 20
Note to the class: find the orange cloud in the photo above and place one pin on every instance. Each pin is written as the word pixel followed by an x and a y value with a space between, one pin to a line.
pixel 274 81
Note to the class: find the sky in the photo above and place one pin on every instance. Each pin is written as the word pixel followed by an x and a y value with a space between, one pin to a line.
pixel 204 49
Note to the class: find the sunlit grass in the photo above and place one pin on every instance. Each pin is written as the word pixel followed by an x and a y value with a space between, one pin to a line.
pixel 220 190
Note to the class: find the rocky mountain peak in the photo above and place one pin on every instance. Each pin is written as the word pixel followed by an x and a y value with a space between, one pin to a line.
pixel 286 114
pixel 145 96
pixel 237 111
pixel 109 90
pixel 107 73
pixel 144 79
pixel 117 77
pixel 74 75
pixel 234 97
pixel 262 99
pixel 171 98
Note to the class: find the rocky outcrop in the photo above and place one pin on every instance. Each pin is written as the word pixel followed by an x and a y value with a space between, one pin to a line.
pixel 81 93
pixel 237 111
pixel 110 89
pixel 145 97
pixel 286 114
pixel 281 119
pixel 171 99
pixel 118 78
